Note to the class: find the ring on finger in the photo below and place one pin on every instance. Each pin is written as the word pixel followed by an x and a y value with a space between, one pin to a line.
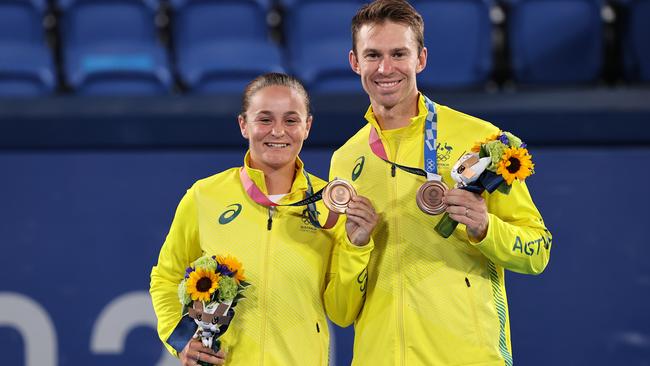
pixel 198 356
pixel 466 212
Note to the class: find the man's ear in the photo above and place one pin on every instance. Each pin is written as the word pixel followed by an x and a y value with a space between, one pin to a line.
pixel 354 63
pixel 422 60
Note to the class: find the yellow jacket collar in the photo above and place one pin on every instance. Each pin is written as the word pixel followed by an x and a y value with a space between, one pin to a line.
pixel 415 123
pixel 298 187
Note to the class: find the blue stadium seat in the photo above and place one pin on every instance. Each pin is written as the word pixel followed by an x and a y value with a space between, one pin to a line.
pixel 110 47
pixel 636 40
pixel 458 36
pixel 26 65
pixel 555 41
pixel 221 45
pixel 318 42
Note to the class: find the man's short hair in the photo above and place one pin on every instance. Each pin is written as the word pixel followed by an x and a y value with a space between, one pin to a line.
pixel 397 11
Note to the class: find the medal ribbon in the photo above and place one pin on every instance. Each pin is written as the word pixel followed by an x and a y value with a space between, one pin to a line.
pixel 430 143
pixel 310 200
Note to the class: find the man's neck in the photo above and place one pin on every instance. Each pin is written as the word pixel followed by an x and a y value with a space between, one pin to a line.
pixel 397 116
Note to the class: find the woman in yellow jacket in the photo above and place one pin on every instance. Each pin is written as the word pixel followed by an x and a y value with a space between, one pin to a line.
pixel 298 271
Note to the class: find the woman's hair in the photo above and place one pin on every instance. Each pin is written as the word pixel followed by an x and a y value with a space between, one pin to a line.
pixel 272 79
pixel 397 11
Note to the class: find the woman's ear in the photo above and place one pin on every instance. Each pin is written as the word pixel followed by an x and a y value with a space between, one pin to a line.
pixel 310 119
pixel 242 126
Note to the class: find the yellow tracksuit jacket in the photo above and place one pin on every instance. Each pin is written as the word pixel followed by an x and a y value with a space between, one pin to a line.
pixel 430 300
pixel 297 273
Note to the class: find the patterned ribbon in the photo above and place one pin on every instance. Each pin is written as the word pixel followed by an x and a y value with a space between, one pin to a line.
pixel 310 200
pixel 430 170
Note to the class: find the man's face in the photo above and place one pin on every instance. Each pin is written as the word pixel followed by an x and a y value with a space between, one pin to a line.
pixel 387 60
pixel 276 125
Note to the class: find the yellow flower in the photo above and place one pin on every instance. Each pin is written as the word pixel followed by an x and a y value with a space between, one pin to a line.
pixel 516 163
pixel 202 284
pixel 233 265
pixel 477 146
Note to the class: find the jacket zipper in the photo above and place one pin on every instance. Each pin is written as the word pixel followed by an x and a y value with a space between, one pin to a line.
pixel 264 296
pixel 269 222
pixel 400 280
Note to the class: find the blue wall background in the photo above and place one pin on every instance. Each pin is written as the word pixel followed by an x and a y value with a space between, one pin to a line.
pixel 80 231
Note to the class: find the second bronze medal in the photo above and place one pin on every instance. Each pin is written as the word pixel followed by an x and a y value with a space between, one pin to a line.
pixel 429 197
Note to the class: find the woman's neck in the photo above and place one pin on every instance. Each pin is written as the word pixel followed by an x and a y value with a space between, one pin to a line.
pixel 277 180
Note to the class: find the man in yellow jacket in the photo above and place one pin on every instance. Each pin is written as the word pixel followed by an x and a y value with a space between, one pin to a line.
pixel 429 300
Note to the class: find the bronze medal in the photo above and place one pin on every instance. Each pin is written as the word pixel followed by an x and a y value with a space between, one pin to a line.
pixel 337 194
pixel 429 197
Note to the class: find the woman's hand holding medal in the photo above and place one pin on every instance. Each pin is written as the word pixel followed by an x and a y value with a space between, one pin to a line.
pixel 361 220
pixel 340 197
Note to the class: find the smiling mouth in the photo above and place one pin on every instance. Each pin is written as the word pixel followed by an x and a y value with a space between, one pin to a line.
pixel 275 145
pixel 387 84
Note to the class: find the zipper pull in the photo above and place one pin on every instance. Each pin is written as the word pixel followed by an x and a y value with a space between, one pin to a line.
pixel 269 222
pixel 392 170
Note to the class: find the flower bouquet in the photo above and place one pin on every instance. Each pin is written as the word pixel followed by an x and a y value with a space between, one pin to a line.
pixel 210 290
pixel 492 165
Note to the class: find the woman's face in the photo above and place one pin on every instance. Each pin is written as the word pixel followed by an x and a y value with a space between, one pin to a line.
pixel 276 124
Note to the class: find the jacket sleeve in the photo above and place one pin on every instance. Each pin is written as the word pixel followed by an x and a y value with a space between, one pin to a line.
pixel 348 273
pixel 347 278
pixel 181 247
pixel 517 238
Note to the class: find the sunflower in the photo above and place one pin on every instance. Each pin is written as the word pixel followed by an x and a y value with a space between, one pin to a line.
pixel 477 146
pixel 202 284
pixel 229 265
pixel 515 163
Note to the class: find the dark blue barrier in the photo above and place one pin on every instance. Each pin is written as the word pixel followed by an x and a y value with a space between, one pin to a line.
pixel 541 118
pixel 80 230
